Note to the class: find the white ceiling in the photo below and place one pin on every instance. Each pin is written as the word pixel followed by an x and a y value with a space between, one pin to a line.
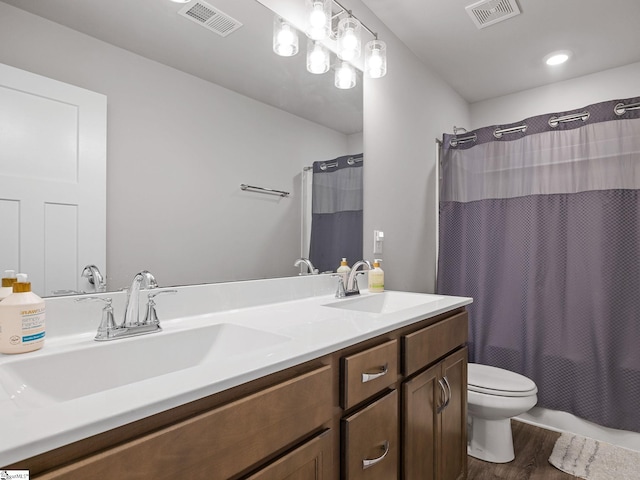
pixel 478 64
pixel 243 61
pixel 507 57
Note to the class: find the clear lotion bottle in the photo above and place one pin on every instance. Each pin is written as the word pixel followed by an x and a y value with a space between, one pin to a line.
pixel 376 277
pixel 22 316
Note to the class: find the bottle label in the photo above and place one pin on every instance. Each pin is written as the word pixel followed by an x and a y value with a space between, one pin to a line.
pixel 32 325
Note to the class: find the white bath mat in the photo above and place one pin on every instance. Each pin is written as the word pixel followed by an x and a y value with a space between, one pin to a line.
pixel 594 460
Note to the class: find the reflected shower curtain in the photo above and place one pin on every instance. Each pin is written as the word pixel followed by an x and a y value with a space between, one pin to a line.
pixel 542 229
pixel 336 220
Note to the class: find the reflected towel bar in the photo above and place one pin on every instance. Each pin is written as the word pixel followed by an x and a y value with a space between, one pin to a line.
pixel 271 191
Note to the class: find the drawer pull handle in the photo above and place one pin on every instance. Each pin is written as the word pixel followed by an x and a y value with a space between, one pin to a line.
pixel 383 370
pixel 366 463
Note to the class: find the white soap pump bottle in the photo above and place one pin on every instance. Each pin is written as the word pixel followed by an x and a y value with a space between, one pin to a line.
pixel 8 279
pixel 22 317
pixel 344 270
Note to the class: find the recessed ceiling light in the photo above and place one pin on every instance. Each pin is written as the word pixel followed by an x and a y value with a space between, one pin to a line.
pixel 180 1
pixel 557 58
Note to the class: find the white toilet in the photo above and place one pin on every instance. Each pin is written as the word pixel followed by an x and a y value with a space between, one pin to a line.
pixel 494 396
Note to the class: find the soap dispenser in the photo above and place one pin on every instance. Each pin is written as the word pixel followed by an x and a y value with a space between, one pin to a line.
pixel 8 279
pixel 344 270
pixel 22 317
pixel 376 277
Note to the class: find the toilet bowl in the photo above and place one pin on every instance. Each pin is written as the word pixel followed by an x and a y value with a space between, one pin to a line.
pixel 494 396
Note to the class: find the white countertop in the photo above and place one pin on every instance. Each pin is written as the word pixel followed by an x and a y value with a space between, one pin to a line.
pixel 309 330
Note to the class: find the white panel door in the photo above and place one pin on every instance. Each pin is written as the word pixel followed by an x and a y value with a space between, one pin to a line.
pixel 52 179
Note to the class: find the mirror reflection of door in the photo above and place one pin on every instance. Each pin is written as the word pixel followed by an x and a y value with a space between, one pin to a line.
pixel 52 179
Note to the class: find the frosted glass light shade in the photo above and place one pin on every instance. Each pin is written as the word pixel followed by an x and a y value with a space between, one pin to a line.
pixel 345 76
pixel 319 19
pixel 318 58
pixel 375 59
pixel 285 38
pixel 349 39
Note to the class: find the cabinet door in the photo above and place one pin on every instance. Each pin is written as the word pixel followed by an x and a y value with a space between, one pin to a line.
pixel 310 461
pixel 370 441
pixel 453 421
pixel 421 398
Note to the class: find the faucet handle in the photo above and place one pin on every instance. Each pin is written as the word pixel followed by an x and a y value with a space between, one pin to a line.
pixel 151 317
pixel 340 292
pixel 107 323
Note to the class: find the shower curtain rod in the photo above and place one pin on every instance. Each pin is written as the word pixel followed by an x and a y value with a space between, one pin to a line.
pixel 352 160
pixel 619 109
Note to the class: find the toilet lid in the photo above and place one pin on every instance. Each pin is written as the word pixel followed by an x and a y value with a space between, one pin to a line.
pixel 497 381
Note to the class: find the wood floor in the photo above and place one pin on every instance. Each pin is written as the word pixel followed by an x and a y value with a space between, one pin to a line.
pixel 532 447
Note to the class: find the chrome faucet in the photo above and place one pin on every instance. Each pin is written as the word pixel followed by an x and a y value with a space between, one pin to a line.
pixel 312 270
pixel 351 288
pixel 142 279
pixel 95 278
pixel 131 325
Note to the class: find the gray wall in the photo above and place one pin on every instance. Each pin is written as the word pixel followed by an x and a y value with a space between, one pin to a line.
pixel 622 82
pixel 177 150
pixel 404 113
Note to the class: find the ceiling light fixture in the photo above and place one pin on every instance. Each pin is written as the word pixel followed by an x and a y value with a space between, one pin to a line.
pixel 345 41
pixel 180 1
pixel 319 19
pixel 285 38
pixel 557 58
pixel 318 58
pixel 375 59
pixel 345 76
pixel 349 41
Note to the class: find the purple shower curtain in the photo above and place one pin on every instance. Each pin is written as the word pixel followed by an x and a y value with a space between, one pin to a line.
pixel 542 228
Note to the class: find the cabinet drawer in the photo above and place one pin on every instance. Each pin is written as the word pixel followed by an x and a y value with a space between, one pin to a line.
pixel 370 441
pixel 427 345
pixel 310 461
pixel 366 373
pixel 220 443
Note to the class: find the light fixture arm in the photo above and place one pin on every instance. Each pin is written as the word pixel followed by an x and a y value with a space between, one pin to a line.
pixel 349 12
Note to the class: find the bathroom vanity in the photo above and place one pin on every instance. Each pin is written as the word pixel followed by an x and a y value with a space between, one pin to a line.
pixel 371 387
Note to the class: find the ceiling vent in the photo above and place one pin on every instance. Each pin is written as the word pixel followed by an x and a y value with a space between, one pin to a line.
pixel 489 12
pixel 210 18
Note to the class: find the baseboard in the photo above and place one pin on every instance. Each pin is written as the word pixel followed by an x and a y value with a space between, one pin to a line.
pixel 566 422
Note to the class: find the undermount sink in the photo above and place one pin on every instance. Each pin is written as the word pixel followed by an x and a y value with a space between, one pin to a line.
pixel 42 380
pixel 385 302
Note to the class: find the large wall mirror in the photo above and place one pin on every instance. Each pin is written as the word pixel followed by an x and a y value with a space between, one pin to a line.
pixel 191 115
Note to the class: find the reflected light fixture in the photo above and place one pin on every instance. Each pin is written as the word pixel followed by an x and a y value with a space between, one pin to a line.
pixel 345 76
pixel 285 38
pixel 557 58
pixel 319 19
pixel 325 38
pixel 318 59
pixel 375 58
pixel 349 41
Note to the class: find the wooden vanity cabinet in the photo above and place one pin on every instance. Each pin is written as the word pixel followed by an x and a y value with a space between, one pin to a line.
pixel 221 443
pixel 370 441
pixel 371 411
pixel 370 430
pixel 434 402
pixel 310 461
